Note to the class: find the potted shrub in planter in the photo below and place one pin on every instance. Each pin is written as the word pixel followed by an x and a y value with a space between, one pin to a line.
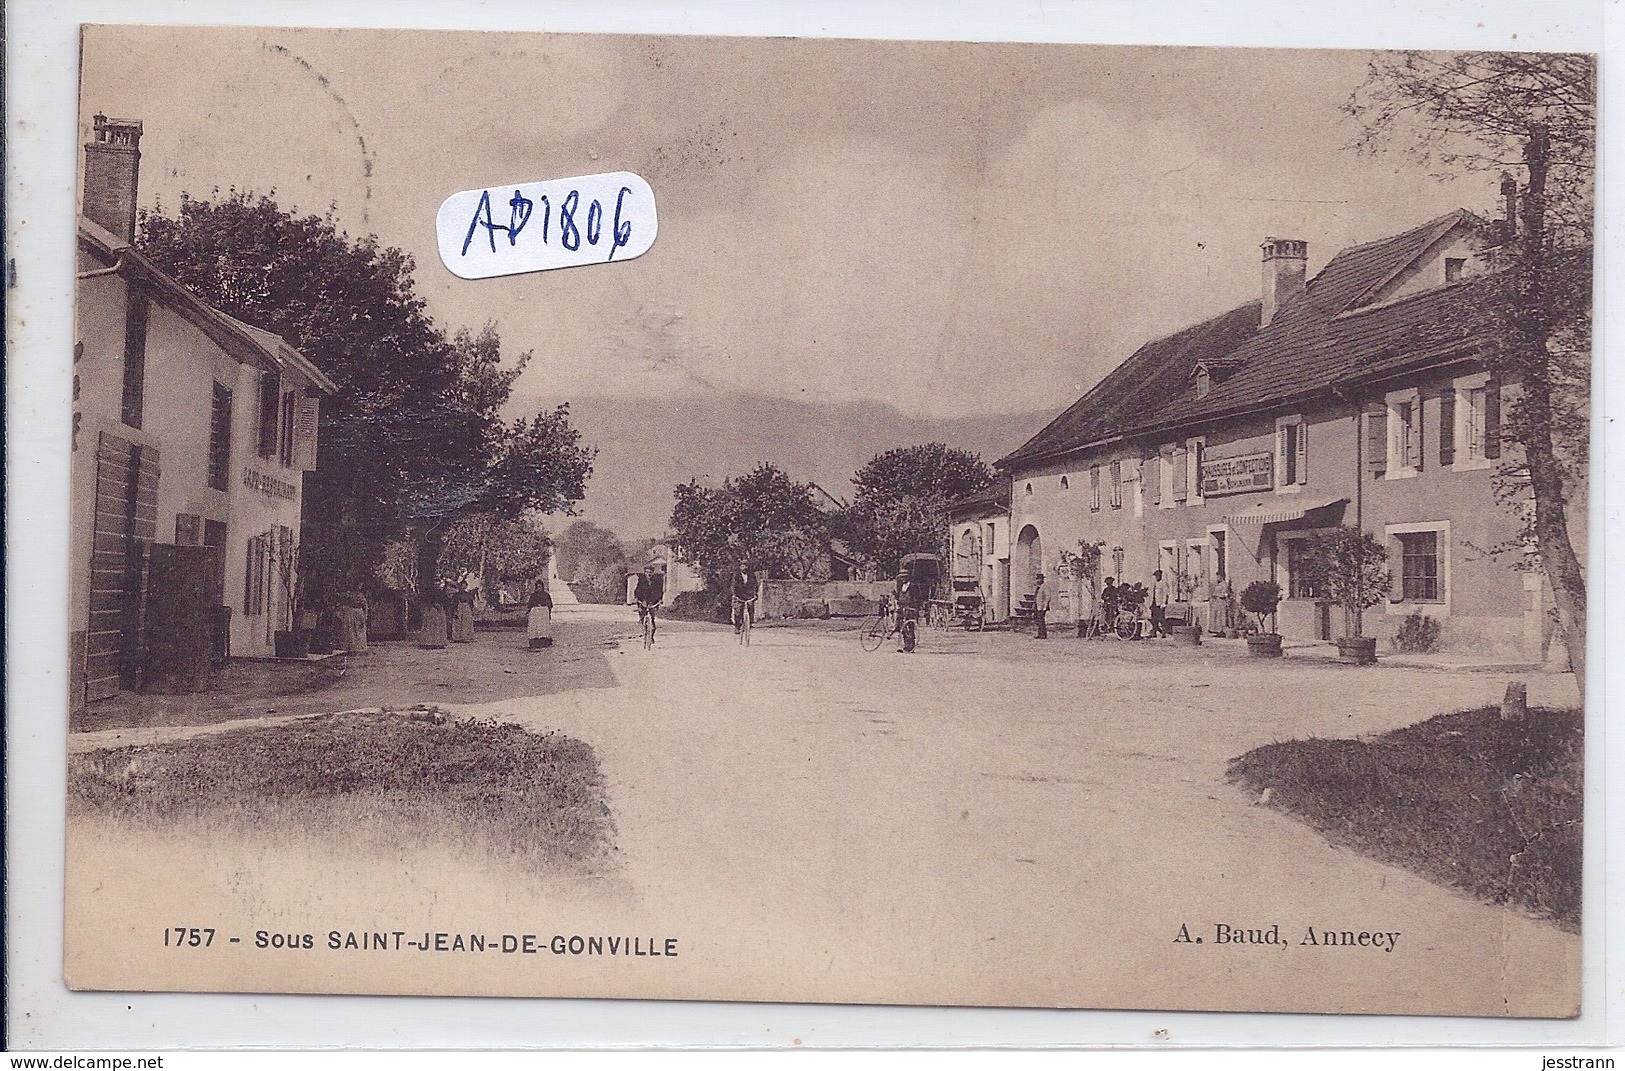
pixel 1260 598
pixel 293 641
pixel 1350 567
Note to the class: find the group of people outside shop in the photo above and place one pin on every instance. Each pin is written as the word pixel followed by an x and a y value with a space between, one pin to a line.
pixel 1115 599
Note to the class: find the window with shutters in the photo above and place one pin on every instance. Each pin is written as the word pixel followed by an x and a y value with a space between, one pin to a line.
pixel 285 428
pixel 256 577
pixel 1404 426
pixel 1165 480
pixel 270 413
pixel 1117 485
pixel 220 439
pixel 1291 453
pixel 1094 489
pixel 1469 423
pixel 1419 559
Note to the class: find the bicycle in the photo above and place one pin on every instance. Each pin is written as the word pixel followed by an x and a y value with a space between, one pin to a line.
pixel 744 611
pixel 646 618
pixel 1132 624
pixel 879 628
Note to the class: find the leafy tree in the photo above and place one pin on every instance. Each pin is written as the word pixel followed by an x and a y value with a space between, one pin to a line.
pixel 496 549
pixel 1350 566
pixel 764 517
pixel 1534 112
pixel 594 561
pixel 414 438
pixel 902 499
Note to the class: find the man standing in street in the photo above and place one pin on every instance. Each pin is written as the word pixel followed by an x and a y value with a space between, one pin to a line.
pixel 1159 604
pixel 1041 605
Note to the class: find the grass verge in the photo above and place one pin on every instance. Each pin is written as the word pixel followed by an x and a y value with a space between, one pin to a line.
pixel 1489 807
pixel 379 779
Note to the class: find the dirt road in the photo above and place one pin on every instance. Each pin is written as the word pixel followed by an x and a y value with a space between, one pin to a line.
pixel 996 820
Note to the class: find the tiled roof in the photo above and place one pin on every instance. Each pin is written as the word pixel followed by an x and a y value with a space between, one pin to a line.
pixel 1319 338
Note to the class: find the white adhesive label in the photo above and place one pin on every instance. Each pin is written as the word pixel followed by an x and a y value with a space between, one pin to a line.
pixel 537 226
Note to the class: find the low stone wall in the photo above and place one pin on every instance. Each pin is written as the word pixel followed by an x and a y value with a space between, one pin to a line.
pixel 814 598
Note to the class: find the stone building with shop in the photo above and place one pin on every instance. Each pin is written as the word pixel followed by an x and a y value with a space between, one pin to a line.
pixel 192 432
pixel 1358 397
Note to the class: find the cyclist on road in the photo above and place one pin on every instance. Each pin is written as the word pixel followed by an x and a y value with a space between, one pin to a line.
pixel 910 597
pixel 649 593
pixel 743 589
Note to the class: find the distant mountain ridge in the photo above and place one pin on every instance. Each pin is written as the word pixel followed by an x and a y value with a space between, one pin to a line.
pixel 646 447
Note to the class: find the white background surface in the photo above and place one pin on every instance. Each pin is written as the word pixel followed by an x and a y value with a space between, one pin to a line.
pixel 41 162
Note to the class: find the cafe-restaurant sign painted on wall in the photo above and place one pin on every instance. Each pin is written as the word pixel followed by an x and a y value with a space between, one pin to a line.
pixel 1234 475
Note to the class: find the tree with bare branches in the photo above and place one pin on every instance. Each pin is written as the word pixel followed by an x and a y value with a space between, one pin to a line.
pixel 1533 113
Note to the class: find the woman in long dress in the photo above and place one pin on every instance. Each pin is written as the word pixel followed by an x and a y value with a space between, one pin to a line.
pixel 462 613
pixel 539 621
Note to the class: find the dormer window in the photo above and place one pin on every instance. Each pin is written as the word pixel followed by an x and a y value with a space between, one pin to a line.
pixel 1454 268
pixel 1204 381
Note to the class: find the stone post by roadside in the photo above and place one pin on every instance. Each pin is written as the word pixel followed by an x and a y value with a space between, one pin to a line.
pixel 1515 705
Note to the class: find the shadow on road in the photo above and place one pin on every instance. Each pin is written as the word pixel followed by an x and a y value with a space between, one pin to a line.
pixel 497 666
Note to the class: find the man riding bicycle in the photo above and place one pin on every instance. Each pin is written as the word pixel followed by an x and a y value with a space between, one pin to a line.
pixel 910 597
pixel 743 589
pixel 649 593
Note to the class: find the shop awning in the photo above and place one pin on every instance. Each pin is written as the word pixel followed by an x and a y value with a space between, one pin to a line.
pixel 1285 513
pixel 1250 523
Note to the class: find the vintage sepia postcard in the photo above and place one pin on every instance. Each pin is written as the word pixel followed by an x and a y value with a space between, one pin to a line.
pixel 854 521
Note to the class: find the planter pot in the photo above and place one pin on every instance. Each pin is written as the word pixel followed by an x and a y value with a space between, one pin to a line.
pixel 293 643
pixel 1357 650
pixel 1265 646
pixel 1186 635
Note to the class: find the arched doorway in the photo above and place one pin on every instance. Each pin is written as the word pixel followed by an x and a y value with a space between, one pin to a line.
pixel 1029 558
pixel 968 557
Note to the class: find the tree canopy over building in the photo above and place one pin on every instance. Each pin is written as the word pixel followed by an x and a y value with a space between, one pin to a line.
pixel 902 498
pixel 415 437
pixel 1533 113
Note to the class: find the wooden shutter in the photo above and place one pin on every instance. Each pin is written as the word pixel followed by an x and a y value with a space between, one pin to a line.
pixel 1417 440
pixel 1492 419
pixel 305 433
pixel 1286 458
pixel 1181 474
pixel 1155 464
pixel 1447 426
pixel 1303 452
pixel 1376 442
pixel 1094 489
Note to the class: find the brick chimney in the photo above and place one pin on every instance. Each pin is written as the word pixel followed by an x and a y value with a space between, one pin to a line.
pixel 112 172
pixel 1286 264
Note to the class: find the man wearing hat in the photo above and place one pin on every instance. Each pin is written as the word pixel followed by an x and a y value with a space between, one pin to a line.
pixel 1041 604
pixel 908 610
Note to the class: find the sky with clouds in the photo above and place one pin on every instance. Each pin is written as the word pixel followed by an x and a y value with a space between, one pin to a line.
pixel 948 228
